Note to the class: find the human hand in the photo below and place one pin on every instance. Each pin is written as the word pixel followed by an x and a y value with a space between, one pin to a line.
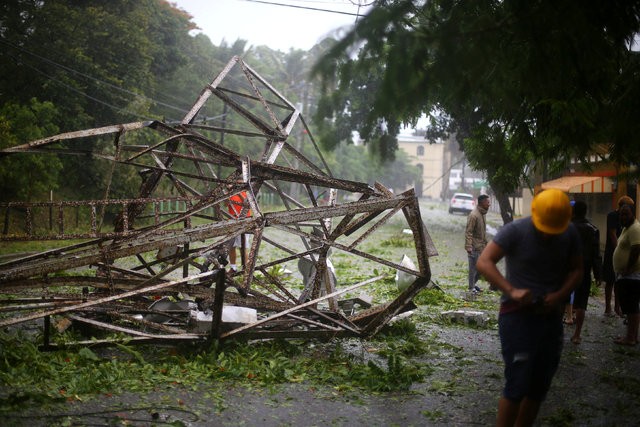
pixel 554 299
pixel 521 296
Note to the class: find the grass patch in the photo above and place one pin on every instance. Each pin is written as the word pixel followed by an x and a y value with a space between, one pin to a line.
pixel 436 297
pixel 404 241
pixel 562 418
pixel 433 415
pixel 625 384
pixel 21 247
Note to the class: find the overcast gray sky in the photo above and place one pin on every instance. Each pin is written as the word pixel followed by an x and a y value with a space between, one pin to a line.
pixel 275 23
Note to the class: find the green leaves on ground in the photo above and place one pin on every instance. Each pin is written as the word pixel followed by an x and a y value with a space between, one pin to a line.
pixel 30 375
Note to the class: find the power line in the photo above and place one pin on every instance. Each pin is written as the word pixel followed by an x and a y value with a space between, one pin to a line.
pixel 71 88
pixel 64 67
pixel 99 81
pixel 41 58
pixel 357 15
pixel 105 103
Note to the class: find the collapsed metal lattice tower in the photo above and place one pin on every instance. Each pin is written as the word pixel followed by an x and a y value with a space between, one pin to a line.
pixel 156 242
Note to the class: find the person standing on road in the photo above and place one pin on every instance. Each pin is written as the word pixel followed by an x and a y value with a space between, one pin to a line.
pixel 626 264
pixel 475 238
pixel 543 265
pixel 608 275
pixel 238 208
pixel 590 238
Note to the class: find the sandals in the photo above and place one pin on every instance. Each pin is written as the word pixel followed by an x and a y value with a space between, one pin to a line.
pixel 576 340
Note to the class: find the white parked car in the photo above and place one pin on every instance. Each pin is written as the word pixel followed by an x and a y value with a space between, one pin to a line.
pixel 462 202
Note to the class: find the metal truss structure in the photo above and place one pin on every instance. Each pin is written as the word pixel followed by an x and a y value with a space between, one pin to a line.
pixel 170 238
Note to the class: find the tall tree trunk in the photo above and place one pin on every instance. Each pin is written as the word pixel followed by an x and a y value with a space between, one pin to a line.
pixel 506 210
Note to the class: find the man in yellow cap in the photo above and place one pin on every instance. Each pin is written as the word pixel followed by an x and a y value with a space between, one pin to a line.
pixel 543 265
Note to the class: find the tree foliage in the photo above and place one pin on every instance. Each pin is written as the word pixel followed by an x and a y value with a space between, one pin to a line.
pixel 350 104
pixel 70 65
pixel 31 174
pixel 97 63
pixel 355 162
pixel 516 81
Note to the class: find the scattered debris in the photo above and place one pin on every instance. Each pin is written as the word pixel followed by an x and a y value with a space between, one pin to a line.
pixel 467 317
pixel 404 279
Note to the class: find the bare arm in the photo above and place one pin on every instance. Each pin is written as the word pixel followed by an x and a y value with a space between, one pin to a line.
pixel 487 266
pixel 571 281
pixel 596 266
pixel 611 235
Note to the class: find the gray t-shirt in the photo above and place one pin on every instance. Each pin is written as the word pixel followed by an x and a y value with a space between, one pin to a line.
pixel 535 261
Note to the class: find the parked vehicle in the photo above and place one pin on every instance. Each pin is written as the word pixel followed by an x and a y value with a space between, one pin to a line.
pixel 462 202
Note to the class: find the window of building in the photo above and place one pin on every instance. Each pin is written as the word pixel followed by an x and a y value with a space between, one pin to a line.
pixel 420 151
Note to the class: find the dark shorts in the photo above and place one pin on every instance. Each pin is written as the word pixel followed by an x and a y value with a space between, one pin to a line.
pixel 531 349
pixel 628 292
pixel 581 293
pixel 608 275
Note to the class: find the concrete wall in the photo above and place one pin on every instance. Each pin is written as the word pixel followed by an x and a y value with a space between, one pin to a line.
pixel 431 157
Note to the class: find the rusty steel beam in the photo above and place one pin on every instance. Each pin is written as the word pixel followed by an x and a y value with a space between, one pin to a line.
pixel 14 321
pixel 75 135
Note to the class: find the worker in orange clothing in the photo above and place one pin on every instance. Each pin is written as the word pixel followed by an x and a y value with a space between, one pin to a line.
pixel 238 208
